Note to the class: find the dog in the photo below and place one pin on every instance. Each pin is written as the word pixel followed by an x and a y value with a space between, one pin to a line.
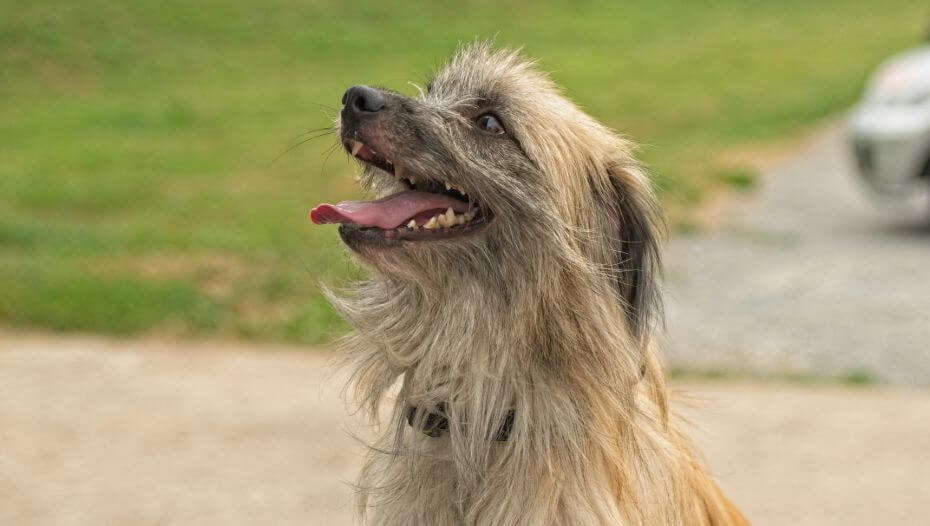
pixel 509 313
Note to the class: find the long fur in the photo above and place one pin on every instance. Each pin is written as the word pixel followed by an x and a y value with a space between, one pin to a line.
pixel 550 313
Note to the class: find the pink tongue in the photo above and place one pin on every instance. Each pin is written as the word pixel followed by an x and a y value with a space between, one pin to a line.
pixel 388 212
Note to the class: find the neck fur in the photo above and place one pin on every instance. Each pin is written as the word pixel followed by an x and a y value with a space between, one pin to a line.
pixel 591 430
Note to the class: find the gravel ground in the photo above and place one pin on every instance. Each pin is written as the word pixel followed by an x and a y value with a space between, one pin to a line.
pixel 805 276
pixel 98 432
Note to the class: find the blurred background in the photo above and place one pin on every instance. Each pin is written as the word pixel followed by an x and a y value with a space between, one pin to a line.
pixel 162 332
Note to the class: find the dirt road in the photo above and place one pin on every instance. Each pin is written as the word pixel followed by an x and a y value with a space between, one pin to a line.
pixel 98 432
pixel 805 275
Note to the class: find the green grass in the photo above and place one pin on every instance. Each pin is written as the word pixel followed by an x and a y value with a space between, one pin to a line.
pixel 852 378
pixel 741 178
pixel 138 190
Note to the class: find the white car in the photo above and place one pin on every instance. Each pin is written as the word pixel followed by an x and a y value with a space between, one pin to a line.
pixel 890 128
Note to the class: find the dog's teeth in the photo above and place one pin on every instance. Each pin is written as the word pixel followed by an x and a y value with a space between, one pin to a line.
pixel 448 186
pixel 412 224
pixel 450 217
pixel 432 223
pixel 460 220
pixel 469 215
pixel 356 146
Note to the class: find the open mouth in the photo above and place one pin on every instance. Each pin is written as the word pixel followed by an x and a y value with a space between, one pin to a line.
pixel 427 209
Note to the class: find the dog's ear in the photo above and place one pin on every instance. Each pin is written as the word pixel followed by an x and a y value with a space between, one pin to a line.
pixel 636 230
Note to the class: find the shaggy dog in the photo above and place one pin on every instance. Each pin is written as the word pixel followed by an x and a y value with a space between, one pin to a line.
pixel 510 310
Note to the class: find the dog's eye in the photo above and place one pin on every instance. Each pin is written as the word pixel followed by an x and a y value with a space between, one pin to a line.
pixel 490 124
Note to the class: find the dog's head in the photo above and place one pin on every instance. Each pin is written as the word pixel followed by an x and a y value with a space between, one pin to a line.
pixel 492 178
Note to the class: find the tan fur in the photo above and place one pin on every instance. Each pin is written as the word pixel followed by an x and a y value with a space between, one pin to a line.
pixel 549 312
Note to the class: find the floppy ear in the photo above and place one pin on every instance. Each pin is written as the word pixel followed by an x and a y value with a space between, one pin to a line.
pixel 635 227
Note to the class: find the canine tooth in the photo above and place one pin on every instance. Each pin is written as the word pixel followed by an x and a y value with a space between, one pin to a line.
pixel 412 224
pixel 356 147
pixel 450 216
pixel 448 186
pixel 432 223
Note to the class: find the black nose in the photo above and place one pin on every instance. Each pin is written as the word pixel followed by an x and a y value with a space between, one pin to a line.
pixel 362 100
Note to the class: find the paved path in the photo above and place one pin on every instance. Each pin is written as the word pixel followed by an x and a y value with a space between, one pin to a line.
pixel 98 432
pixel 805 275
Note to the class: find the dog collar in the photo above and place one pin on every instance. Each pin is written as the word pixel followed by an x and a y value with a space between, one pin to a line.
pixel 435 424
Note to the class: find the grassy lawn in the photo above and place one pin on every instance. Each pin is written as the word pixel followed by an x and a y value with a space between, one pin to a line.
pixel 139 186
